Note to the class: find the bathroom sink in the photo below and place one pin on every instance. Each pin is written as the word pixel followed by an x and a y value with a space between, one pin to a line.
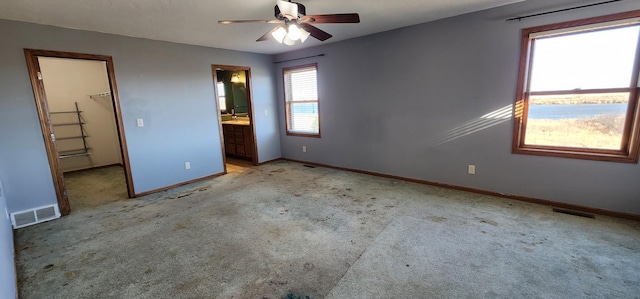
pixel 238 121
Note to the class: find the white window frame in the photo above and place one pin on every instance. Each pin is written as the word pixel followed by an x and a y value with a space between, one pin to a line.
pixel 222 99
pixel 289 102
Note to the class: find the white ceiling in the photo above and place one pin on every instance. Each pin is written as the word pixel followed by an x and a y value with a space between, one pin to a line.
pixel 195 21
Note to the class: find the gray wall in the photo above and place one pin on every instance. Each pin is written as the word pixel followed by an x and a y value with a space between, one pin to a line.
pixel 169 85
pixel 413 102
pixel 7 269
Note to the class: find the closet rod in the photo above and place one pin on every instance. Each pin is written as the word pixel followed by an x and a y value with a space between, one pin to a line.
pixel 100 95
pixel 559 10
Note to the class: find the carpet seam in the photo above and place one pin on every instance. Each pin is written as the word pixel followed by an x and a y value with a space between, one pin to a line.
pixel 360 255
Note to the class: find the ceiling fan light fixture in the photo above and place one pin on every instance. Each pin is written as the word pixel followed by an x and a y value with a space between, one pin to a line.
pixel 295 24
pixel 294 32
pixel 304 34
pixel 235 78
pixel 287 41
pixel 279 34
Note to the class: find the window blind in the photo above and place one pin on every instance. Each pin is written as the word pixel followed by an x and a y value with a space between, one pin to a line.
pixel 301 98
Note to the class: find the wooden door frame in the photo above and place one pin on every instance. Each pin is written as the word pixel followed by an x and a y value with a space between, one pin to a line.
pixel 33 66
pixel 247 70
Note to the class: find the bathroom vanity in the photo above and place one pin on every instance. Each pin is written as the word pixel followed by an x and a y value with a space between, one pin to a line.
pixel 238 140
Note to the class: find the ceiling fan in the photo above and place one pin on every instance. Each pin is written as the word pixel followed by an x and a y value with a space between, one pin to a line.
pixel 296 24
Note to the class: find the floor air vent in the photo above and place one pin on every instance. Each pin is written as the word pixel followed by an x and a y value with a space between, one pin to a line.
pixel 574 213
pixel 30 217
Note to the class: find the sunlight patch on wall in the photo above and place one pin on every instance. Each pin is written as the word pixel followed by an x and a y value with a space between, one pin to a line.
pixel 477 124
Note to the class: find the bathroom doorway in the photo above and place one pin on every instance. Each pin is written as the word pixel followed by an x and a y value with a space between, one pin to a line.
pixel 235 108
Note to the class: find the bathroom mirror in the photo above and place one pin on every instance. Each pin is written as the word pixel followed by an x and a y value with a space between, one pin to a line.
pixel 232 92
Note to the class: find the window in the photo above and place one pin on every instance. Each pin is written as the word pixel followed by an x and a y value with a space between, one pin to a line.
pixel 222 100
pixel 578 89
pixel 301 100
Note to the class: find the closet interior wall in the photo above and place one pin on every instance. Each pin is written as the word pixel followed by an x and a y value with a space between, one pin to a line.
pixel 85 82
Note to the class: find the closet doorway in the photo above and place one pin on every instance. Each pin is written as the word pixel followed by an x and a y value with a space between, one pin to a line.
pixel 79 110
pixel 235 108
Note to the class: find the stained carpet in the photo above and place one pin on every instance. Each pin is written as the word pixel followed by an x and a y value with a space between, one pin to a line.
pixel 282 228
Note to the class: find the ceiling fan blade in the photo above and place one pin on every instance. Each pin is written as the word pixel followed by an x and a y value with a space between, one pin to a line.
pixel 315 31
pixel 288 9
pixel 267 35
pixel 249 21
pixel 334 18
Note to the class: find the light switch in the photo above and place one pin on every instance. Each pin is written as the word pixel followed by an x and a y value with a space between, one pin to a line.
pixel 140 122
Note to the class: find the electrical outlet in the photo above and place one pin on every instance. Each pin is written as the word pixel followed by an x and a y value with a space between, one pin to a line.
pixel 266 112
pixel 304 148
pixel 471 169
pixel 187 165
pixel 140 122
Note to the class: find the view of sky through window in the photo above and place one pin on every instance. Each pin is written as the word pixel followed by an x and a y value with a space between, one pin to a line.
pixel 590 60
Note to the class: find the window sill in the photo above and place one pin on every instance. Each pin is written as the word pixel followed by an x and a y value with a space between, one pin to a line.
pixel 301 134
pixel 609 156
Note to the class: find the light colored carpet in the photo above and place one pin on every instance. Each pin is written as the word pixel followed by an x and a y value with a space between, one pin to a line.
pixel 439 258
pixel 283 228
pixel 91 188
